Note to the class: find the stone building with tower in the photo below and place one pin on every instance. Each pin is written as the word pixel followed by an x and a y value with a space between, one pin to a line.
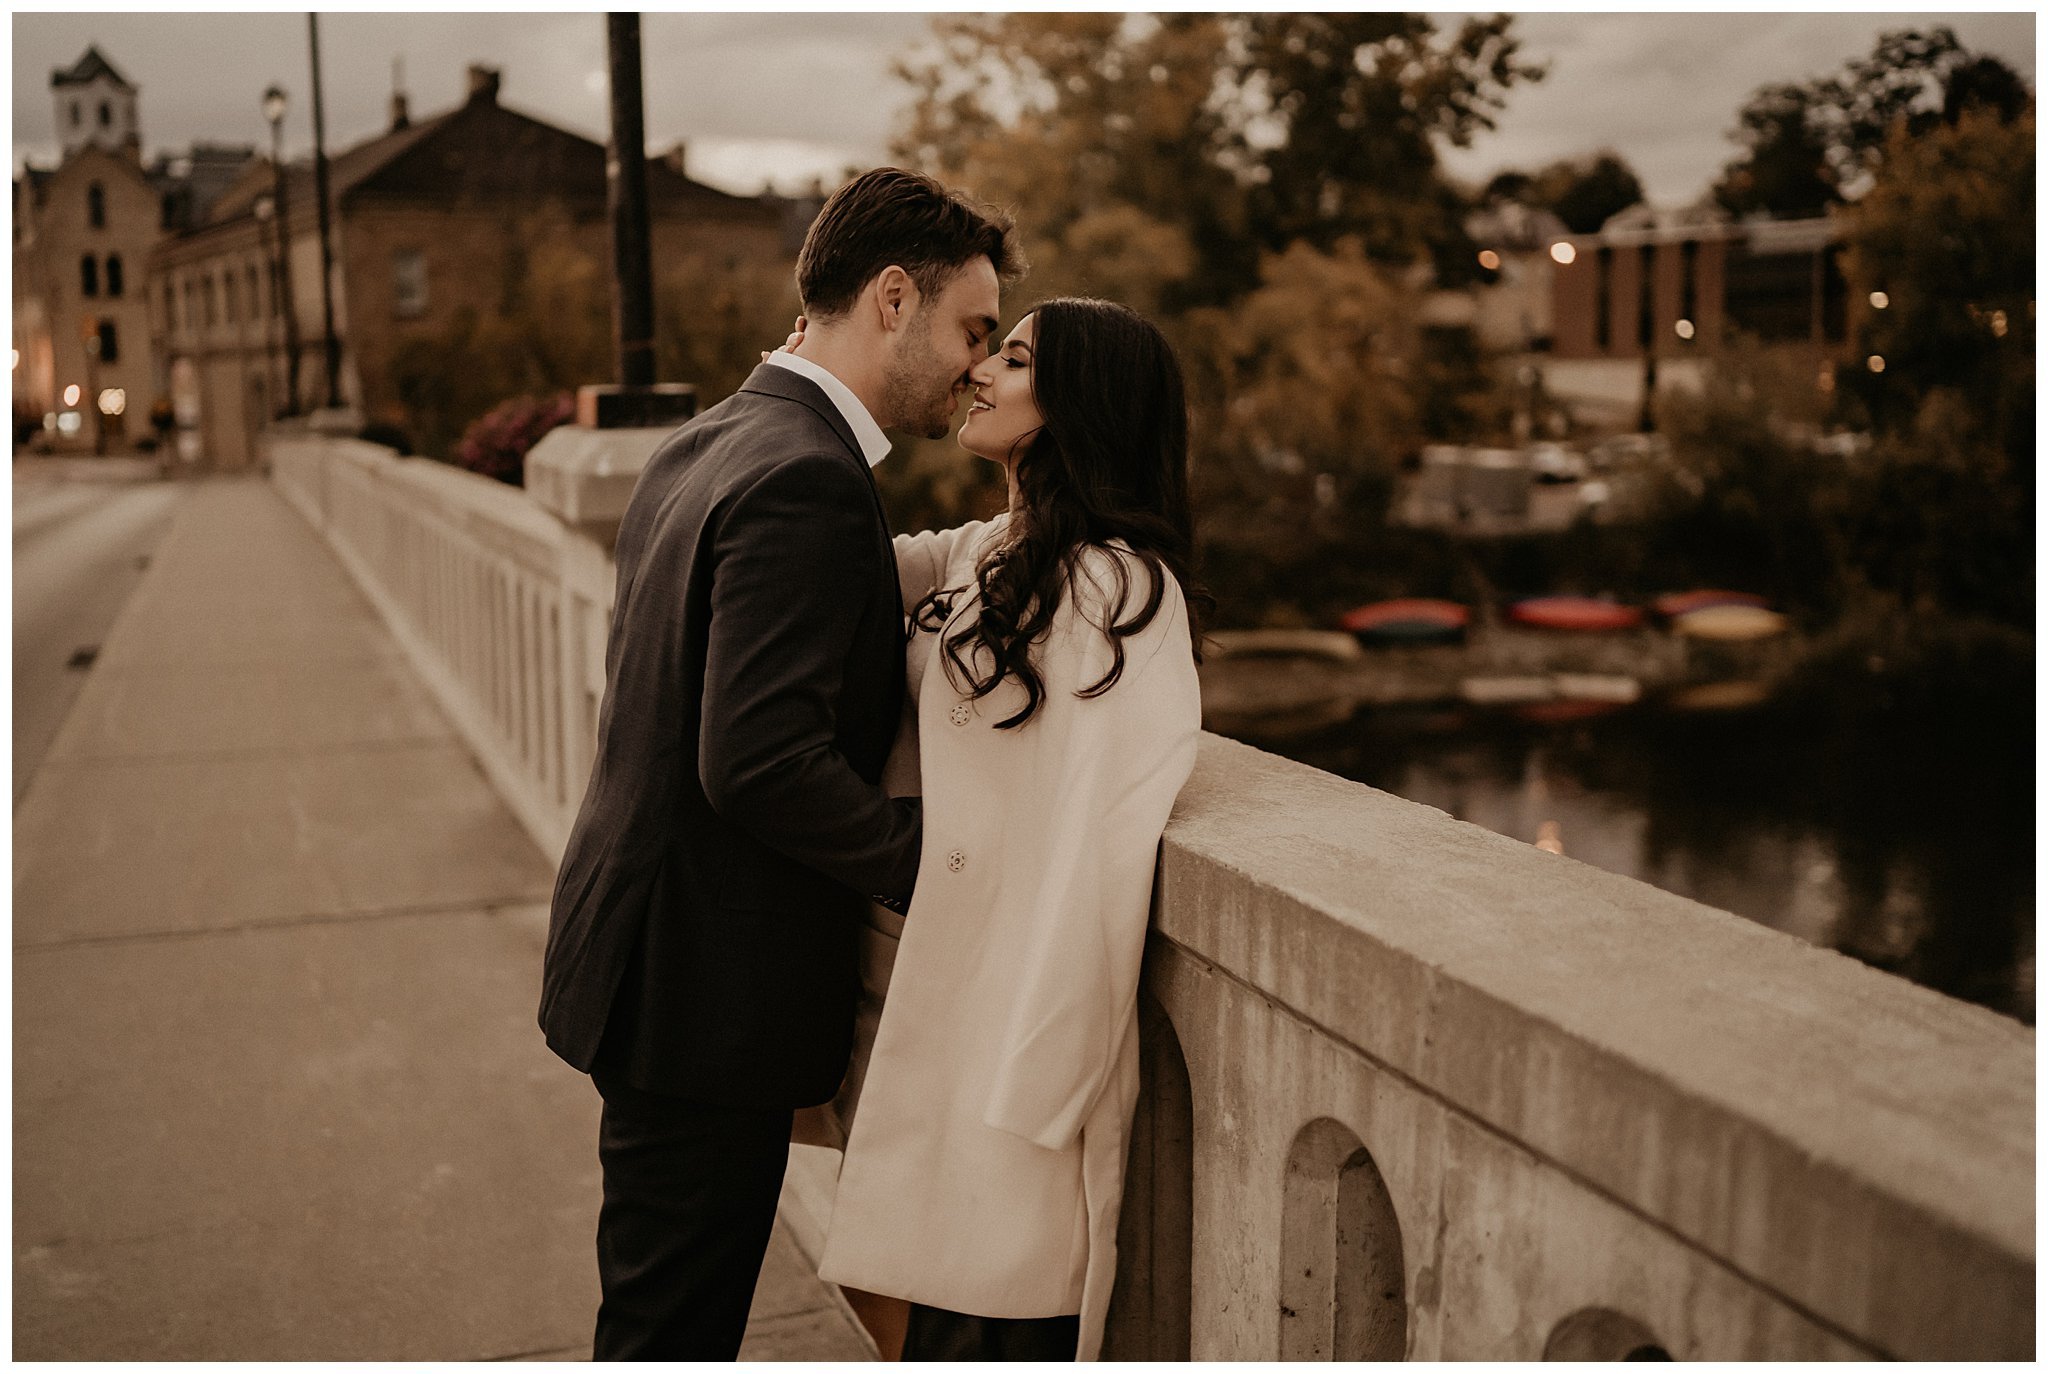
pixel 428 218
pixel 83 232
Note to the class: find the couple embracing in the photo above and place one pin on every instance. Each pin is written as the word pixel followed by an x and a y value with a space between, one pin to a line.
pixel 820 744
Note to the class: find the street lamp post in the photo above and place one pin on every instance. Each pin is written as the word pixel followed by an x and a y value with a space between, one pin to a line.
pixel 273 110
pixel 267 235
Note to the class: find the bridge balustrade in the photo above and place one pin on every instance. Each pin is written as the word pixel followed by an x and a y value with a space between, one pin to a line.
pixel 1411 1088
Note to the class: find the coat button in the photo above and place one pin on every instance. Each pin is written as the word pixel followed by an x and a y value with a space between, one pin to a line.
pixel 956 861
pixel 962 714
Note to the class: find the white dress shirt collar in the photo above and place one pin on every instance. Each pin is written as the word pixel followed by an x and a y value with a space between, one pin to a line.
pixel 874 445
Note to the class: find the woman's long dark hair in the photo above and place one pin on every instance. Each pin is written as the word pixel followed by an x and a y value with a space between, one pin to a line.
pixel 1111 462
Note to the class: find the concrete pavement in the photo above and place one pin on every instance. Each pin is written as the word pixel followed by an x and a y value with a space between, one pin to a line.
pixel 278 1092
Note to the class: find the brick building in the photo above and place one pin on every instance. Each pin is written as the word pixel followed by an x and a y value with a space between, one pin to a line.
pixel 427 220
pixel 1656 293
pixel 1689 280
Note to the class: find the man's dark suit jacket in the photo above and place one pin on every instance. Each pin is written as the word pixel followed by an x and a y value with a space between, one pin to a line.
pixel 702 941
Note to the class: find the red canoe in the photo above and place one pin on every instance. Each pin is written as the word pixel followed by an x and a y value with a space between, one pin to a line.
pixel 1680 603
pixel 1575 613
pixel 1407 618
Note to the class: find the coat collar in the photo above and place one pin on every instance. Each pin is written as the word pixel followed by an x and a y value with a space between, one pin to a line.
pixel 782 382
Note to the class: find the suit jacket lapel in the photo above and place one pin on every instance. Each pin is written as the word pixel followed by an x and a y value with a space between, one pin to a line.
pixel 770 380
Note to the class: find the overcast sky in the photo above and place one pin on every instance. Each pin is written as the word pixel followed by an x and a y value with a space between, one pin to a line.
pixel 778 98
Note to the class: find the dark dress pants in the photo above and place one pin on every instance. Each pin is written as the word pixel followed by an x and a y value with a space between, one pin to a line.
pixel 689 1203
pixel 936 1334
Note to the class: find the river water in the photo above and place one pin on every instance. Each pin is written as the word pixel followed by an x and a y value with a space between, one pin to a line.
pixel 1887 816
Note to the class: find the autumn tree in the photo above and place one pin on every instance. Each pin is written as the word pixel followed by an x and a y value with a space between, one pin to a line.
pixel 1214 137
pixel 1583 192
pixel 1811 145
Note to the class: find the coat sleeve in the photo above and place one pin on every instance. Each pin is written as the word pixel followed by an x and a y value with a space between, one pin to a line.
pixel 796 558
pixel 1104 774
pixel 921 558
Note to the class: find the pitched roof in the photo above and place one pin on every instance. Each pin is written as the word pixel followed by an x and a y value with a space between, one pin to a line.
pixel 90 68
pixel 478 151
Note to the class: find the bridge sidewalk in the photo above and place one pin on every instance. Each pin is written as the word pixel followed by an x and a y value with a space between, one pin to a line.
pixel 278 1093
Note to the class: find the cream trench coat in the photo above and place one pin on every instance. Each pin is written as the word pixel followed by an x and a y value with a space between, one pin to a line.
pixel 984 1168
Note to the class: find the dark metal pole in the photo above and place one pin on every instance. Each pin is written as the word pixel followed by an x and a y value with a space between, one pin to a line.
pixel 333 345
pixel 626 192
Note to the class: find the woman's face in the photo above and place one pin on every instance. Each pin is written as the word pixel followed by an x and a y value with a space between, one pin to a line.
pixel 1005 413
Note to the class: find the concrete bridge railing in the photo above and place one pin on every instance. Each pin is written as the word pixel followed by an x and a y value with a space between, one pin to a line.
pixel 1412 1088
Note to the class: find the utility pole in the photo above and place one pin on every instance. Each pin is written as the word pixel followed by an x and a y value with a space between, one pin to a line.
pixel 333 344
pixel 626 193
pixel 635 401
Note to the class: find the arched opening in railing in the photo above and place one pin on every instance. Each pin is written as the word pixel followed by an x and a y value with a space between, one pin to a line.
pixel 1601 1333
pixel 1149 1308
pixel 1343 1285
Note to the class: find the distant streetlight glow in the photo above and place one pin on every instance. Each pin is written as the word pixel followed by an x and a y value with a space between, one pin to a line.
pixel 1563 253
pixel 1879 300
pixel 70 422
pixel 113 401
pixel 1875 363
pixel 1489 259
pixel 1684 329
pixel 17 358
pixel 71 394
pixel 1998 324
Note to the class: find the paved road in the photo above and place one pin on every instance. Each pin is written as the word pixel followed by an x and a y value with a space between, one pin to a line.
pixel 81 540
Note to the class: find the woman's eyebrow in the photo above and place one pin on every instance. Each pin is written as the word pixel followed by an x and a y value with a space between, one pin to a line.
pixel 1016 343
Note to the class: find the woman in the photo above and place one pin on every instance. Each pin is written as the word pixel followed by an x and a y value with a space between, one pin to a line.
pixel 1052 663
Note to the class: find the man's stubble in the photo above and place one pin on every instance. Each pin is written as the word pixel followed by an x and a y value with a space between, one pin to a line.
pixel 918 394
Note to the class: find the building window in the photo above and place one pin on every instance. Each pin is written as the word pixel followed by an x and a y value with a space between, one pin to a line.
pixel 110 343
pixel 212 315
pixel 227 281
pixel 1603 301
pixel 116 282
pixel 77 118
pixel 255 294
pixel 96 206
pixel 89 275
pixel 106 115
pixel 170 308
pixel 191 305
pixel 409 283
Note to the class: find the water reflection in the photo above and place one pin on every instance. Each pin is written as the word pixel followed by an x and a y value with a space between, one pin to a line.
pixel 1883 813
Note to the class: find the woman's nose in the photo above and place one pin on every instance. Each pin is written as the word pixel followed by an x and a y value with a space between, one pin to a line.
pixel 983 373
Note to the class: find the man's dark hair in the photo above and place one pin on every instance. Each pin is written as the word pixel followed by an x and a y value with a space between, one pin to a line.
pixel 890 217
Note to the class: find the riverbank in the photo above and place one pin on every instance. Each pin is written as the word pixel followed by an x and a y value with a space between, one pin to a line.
pixel 1274 685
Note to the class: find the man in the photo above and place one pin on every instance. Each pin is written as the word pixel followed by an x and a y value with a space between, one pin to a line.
pixel 701 952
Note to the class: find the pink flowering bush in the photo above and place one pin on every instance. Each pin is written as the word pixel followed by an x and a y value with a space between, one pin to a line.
pixel 496 442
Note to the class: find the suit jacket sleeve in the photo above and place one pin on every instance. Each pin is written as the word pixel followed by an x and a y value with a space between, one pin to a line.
pixel 1105 773
pixel 795 563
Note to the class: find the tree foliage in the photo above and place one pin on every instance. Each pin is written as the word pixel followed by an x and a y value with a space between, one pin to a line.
pixel 1811 145
pixel 1583 192
pixel 1243 133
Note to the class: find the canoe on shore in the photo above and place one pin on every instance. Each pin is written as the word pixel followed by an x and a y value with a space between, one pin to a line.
pixel 1675 604
pixel 1327 644
pixel 1407 620
pixel 1575 613
pixel 1729 624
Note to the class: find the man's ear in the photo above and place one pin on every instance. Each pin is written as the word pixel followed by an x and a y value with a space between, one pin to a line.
pixel 895 298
